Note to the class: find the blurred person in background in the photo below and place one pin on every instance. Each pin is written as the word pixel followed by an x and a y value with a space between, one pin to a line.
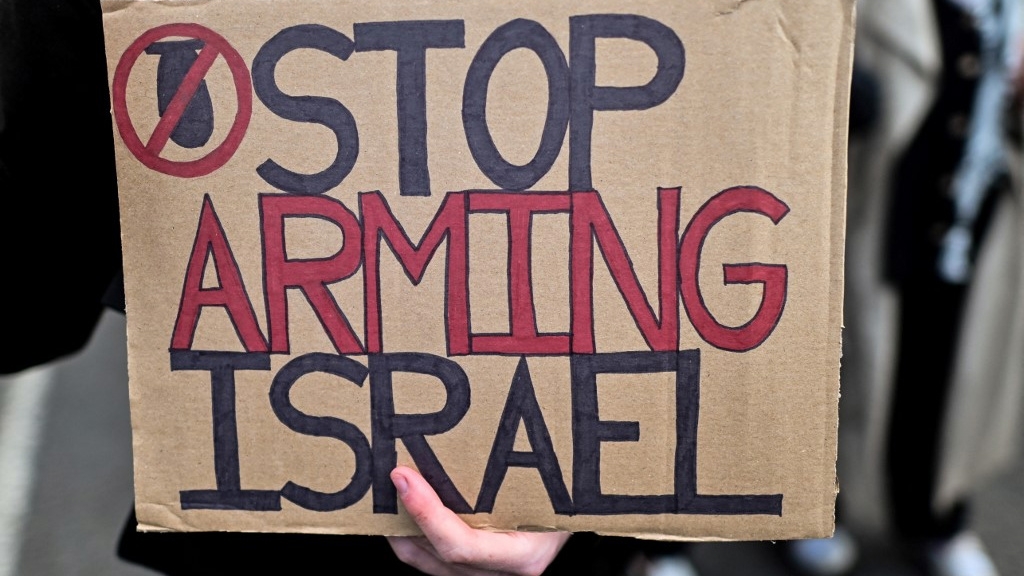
pixel 934 313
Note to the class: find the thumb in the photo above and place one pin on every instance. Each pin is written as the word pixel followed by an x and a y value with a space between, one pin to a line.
pixel 441 526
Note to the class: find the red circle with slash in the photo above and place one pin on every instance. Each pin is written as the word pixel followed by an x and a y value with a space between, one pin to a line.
pixel 149 152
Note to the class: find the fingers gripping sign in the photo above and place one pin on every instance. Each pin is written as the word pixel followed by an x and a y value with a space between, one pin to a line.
pixel 451 547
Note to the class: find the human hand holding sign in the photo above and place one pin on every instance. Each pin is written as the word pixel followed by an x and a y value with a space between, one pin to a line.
pixel 450 547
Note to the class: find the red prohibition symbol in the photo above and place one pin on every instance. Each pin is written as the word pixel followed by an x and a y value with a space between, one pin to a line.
pixel 149 152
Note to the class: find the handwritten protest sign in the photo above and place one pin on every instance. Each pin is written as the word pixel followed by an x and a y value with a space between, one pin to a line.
pixel 580 263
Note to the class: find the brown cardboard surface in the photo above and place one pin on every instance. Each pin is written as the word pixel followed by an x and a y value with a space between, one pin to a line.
pixel 631 331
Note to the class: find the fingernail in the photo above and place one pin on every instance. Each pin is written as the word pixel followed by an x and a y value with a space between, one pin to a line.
pixel 400 483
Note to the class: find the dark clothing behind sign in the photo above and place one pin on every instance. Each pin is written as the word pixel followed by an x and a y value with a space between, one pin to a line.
pixel 60 233
pixel 198 554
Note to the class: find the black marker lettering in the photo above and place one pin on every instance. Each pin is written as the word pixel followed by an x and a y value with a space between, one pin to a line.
pixel 314 109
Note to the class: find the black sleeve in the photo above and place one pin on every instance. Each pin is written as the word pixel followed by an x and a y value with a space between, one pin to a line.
pixel 60 232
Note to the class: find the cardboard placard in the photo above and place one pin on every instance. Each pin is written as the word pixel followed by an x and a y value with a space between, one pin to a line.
pixel 580 263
